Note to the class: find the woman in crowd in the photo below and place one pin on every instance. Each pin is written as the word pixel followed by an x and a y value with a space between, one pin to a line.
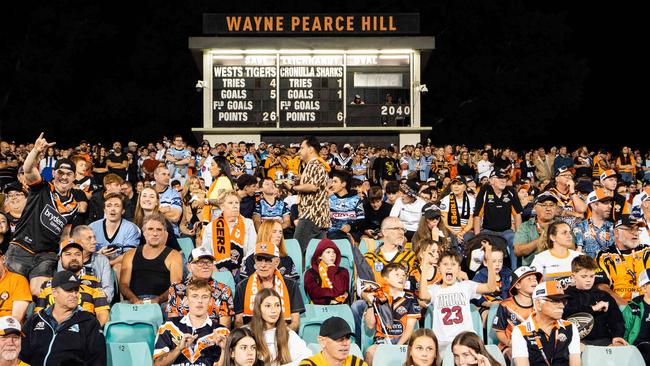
pixel 46 165
pixel 148 203
pixel 418 164
pixel 276 343
pixel 432 227
pixel 359 168
pixel 271 231
pixel 423 349
pixel 99 165
pixel 465 167
pixel 625 165
pixel 193 196
pixel 555 262
pixel 5 234
pixel 468 349
pixel 241 349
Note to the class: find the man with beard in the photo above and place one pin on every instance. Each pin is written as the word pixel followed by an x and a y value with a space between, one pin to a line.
pixel 16 198
pixel 48 212
pixel 10 332
pixel 91 296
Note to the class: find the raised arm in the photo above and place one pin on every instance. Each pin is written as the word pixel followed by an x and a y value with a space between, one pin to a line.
pixel 32 174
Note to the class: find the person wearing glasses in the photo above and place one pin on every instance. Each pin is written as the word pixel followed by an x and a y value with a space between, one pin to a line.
pixel 267 275
pixel 544 338
pixel 200 266
pixel 622 262
pixel 530 237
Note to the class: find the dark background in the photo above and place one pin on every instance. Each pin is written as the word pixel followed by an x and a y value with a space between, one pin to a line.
pixel 513 73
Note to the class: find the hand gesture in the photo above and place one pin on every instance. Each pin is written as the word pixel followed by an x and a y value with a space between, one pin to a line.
pixel 480 359
pixel 487 248
pixel 41 144
pixel 219 338
pixel 601 306
pixel 187 340
pixel 426 268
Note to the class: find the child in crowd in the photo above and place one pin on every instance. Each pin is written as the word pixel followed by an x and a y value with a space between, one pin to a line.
pixel 517 308
pixel 503 275
pixel 637 318
pixel 326 283
pixel 585 298
pixel 427 252
pixel 398 310
pixel 450 300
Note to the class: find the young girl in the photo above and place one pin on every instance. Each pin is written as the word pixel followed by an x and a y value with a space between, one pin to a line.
pixel 326 282
pixel 427 252
pixel 276 343
pixel 555 263
pixel 468 349
pixel 240 349
pixel 423 349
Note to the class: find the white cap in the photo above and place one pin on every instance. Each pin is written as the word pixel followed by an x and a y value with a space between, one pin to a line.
pixel 9 325
pixel 199 253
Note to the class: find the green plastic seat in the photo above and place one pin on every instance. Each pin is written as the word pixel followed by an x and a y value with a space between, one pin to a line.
pixel 144 313
pixel 226 278
pixel 294 251
pixel 611 356
pixel 491 334
pixel 130 332
pixel 121 354
pixel 187 245
pixel 347 258
pixel 315 315
pixel 389 355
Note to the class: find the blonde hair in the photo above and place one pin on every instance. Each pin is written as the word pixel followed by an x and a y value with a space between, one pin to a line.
pixel 265 232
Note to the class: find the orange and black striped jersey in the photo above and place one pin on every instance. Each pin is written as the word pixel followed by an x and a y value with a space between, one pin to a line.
pixel 319 360
pixel 403 308
pixel 91 295
pixel 203 351
pixel 377 261
pixel 412 284
pixel 621 269
pixel 510 314
pixel 599 167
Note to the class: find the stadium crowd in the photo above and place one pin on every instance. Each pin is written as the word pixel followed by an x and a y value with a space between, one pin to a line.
pixel 315 254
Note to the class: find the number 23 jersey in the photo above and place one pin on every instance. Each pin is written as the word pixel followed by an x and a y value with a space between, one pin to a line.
pixel 451 309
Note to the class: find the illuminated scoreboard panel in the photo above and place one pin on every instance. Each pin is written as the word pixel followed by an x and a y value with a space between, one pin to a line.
pixel 310 90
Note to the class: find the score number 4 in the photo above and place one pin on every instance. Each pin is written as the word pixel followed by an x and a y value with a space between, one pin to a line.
pixel 392 110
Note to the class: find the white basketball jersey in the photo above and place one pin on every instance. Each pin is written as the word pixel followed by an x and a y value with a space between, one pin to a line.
pixel 451 309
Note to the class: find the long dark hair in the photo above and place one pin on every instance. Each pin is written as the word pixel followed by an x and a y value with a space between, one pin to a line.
pixel 281 331
pixel 224 166
pixel 422 332
pixel 552 230
pixel 471 340
pixel 235 336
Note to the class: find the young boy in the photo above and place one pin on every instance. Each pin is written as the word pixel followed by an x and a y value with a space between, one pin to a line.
pixel 503 275
pixel 451 299
pixel 404 310
pixel 608 327
pixel 517 308
pixel 637 318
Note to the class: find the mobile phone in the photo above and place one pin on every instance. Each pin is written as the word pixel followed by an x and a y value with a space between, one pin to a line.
pixel 112 247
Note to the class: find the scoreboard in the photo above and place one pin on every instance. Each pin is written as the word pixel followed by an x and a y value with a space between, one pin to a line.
pixel 277 89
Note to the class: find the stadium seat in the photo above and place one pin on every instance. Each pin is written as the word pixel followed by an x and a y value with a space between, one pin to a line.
pixel 389 355
pixel 495 352
pixel 226 278
pixel 295 252
pixel 130 332
pixel 611 356
pixel 367 335
pixel 491 334
pixel 187 245
pixel 477 322
pixel 145 313
pixel 120 354
pixel 315 315
pixel 354 349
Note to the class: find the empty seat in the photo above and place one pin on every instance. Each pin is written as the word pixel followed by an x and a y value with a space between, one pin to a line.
pixel 315 315
pixel 187 245
pixel 145 313
pixel 295 252
pixel 612 356
pixel 389 355
pixel 135 332
pixel 121 354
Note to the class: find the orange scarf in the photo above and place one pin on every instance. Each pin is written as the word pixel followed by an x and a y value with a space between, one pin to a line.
pixel 223 238
pixel 253 287
pixel 327 166
pixel 326 283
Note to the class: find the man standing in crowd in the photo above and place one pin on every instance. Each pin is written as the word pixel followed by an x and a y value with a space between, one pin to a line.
pixel 270 207
pixel 117 162
pixel 170 200
pixel 50 208
pixel 385 168
pixel 496 204
pixel 148 271
pixel 562 160
pixel 596 233
pixel 178 159
pixel 543 165
pixel 63 334
pixel 313 205
pixel 246 186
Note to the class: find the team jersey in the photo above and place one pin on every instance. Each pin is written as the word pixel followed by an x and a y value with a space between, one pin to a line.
pixel 203 352
pixel 221 303
pixel 13 287
pixel 268 211
pixel 621 269
pixel 377 261
pixel 412 284
pixel 126 237
pixel 176 170
pixel 554 268
pixel 345 210
pixel 403 308
pixel 509 315
pixel 91 295
pixel 451 309
pixel 44 218
pixel 497 211
pixel 529 341
pixel 319 360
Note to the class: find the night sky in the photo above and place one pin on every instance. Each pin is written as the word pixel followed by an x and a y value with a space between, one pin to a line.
pixel 508 72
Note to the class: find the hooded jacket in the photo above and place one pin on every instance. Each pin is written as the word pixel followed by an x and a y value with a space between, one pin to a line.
pixel 78 338
pixel 339 276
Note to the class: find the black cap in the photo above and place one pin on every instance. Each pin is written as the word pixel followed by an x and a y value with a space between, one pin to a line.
pixel 14 186
pixel 70 244
pixel 431 211
pixel 499 173
pixel 629 220
pixel 584 186
pixel 563 169
pixel 66 280
pixel 65 164
pixel 544 197
pixel 335 328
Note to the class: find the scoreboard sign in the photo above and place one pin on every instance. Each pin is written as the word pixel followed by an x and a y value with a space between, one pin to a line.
pixel 310 90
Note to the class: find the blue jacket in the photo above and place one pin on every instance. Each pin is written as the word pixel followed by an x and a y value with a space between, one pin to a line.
pixel 506 277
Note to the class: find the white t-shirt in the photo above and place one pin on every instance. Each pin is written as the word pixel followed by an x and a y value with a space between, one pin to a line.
pixel 297 347
pixel 408 214
pixel 451 309
pixel 444 206
pixel 204 171
pixel 484 168
pixel 554 268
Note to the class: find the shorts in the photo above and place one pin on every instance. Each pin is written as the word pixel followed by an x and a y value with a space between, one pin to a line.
pixel 29 265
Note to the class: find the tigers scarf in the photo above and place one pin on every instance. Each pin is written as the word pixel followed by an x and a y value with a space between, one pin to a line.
pixel 454 215
pixel 223 238
pixel 326 283
pixel 253 287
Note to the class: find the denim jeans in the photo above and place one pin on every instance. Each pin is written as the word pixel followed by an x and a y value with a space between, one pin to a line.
pixel 358 308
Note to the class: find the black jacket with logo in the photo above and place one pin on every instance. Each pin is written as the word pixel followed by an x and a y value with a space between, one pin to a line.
pixel 79 338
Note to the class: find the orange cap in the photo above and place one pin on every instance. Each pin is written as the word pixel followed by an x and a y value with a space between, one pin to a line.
pixel 266 248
